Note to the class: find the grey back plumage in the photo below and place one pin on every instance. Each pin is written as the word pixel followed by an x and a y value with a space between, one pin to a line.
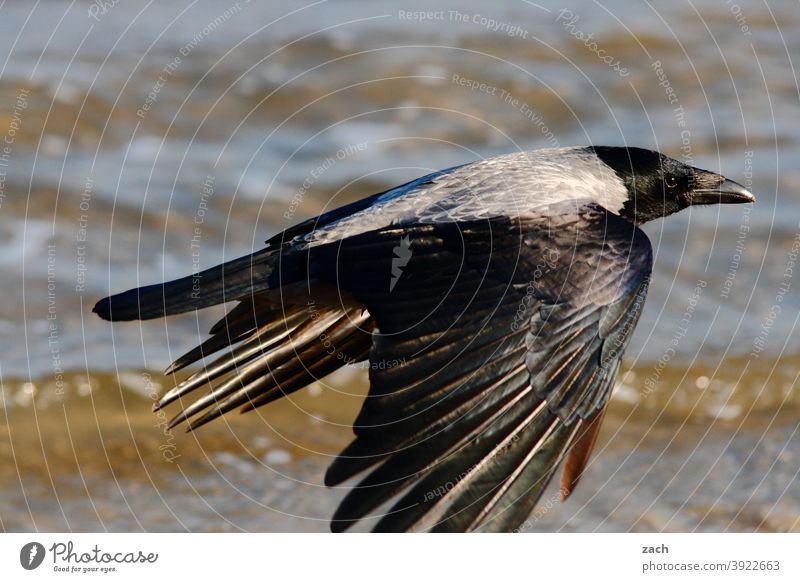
pixel 516 184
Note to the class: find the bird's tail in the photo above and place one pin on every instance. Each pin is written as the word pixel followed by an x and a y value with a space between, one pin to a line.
pixel 284 334
pixel 220 284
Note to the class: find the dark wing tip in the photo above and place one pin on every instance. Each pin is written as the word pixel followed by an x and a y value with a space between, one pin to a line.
pixel 331 480
pixel 342 468
pixel 341 525
pixel 103 309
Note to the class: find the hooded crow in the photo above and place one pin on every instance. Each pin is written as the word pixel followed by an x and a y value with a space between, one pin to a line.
pixel 493 302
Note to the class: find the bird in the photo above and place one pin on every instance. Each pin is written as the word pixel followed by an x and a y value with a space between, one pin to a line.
pixel 493 302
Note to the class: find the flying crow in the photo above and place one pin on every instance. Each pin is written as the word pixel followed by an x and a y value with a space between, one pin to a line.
pixel 493 301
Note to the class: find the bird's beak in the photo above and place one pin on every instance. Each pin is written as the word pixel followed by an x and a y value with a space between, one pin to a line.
pixel 728 192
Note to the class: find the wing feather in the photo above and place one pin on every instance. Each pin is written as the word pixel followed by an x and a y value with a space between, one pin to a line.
pixel 510 333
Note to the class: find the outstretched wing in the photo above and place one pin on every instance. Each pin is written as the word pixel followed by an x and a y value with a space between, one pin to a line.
pixel 496 347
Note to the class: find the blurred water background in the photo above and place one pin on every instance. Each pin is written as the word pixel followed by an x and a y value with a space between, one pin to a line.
pixel 141 141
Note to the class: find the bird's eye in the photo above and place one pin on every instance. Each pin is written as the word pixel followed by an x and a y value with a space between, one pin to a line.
pixel 671 182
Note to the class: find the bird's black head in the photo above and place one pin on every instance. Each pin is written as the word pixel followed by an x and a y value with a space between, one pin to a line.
pixel 659 185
